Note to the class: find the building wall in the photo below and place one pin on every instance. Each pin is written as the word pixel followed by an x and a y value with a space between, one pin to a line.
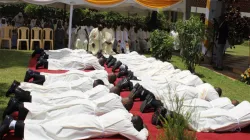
pixel 243 4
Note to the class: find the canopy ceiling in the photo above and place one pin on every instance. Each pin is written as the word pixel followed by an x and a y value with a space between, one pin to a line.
pixel 130 6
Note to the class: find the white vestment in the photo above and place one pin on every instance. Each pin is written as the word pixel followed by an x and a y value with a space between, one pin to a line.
pixel 220 120
pixel 176 40
pixel 197 105
pixel 70 95
pixel 41 112
pixel 58 54
pixel 75 75
pixel 58 87
pixel 83 126
pixel 109 37
pixel 74 63
pixel 96 37
pixel 122 38
pixel 82 38
pixel 133 40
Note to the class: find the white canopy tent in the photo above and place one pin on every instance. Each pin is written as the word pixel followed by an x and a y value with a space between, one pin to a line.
pixel 123 6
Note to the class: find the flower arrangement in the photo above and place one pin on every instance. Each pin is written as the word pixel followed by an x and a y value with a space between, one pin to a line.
pixel 245 77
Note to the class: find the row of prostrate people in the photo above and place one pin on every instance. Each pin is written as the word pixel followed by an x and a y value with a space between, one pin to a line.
pixel 55 110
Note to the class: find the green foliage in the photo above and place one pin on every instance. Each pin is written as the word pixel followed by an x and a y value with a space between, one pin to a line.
pixel 43 11
pixel 11 10
pixel 238 26
pixel 162 45
pixel 191 34
pixel 175 126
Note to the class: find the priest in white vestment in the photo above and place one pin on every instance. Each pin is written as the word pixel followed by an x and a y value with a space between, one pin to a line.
pixel 69 95
pixel 71 63
pixel 133 39
pixel 122 38
pixel 58 54
pixel 58 87
pixel 109 38
pixel 96 39
pixel 82 38
pixel 78 74
pixel 83 126
pixel 40 113
pixel 221 120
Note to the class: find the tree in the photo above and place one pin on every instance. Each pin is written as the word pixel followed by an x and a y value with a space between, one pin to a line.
pixel 191 34
pixel 238 26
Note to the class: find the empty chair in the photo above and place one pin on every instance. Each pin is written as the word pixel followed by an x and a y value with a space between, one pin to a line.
pixel 7 33
pixel 23 36
pixel 36 36
pixel 48 35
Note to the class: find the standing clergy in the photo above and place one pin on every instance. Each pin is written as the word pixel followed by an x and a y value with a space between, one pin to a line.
pixel 143 40
pixel 122 38
pixel 96 39
pixel 109 38
pixel 19 20
pixel 133 39
pixel 82 38
pixel 80 126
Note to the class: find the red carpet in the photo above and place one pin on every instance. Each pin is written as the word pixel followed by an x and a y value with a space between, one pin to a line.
pixel 153 131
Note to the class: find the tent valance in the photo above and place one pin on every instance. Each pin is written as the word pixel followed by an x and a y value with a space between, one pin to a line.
pixel 104 2
pixel 157 3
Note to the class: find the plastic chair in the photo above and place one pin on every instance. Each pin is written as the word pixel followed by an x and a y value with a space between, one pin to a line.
pixel 48 35
pixel 7 35
pixel 36 36
pixel 23 35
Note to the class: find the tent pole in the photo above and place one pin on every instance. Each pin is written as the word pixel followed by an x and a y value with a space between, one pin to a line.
pixel 70 24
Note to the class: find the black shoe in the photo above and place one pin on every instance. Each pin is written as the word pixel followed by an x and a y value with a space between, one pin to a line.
pixel 147 103
pixel 123 68
pixel 29 74
pixel 37 51
pixel 12 88
pixel 159 113
pixel 116 66
pixel 122 73
pixel 112 62
pixel 22 95
pixel 109 59
pixel 124 83
pixel 12 107
pixel 144 94
pixel 136 91
pixel 40 63
pixel 4 129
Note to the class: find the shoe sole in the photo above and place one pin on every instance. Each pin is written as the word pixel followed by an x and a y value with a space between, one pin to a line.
pixel 132 93
pixel 145 103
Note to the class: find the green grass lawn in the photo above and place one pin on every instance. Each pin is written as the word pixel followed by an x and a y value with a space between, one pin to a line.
pixel 13 65
pixel 240 50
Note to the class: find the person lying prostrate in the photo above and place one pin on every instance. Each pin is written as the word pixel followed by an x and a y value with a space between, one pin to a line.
pixel 221 120
pixel 197 105
pixel 38 113
pixel 64 97
pixel 48 78
pixel 56 88
pixel 58 54
pixel 81 126
pixel 171 91
pixel 71 64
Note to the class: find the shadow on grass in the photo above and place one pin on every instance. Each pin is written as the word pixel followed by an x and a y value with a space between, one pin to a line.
pixel 9 58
